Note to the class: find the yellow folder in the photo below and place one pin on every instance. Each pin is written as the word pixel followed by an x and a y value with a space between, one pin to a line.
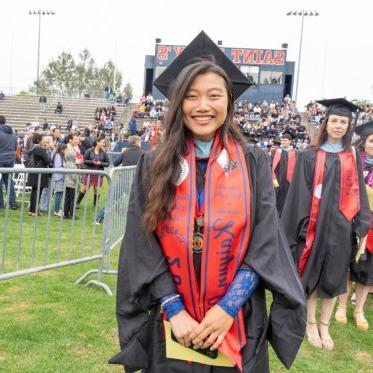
pixel 370 196
pixel 175 350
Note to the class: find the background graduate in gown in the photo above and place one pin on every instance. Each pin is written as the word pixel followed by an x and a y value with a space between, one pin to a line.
pixel 326 210
pixel 361 269
pixel 160 263
pixel 283 163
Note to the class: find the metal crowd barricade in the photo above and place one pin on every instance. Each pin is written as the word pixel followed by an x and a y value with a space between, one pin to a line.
pixel 32 242
pixel 115 215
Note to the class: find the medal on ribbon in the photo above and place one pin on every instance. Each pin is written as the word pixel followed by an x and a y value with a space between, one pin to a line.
pixel 197 242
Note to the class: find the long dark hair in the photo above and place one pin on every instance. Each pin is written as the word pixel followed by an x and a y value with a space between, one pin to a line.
pixel 60 148
pixel 360 143
pixel 322 135
pixel 164 169
pixel 96 140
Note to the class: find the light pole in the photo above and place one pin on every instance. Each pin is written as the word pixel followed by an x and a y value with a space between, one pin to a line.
pixel 40 13
pixel 302 13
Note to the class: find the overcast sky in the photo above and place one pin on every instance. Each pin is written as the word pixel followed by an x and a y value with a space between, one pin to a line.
pixel 337 54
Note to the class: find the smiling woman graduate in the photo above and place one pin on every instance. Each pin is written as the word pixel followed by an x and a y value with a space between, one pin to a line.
pixel 202 241
pixel 326 209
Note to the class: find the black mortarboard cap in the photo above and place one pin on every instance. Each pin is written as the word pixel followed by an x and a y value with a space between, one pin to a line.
pixel 339 106
pixel 277 141
pixel 288 134
pixel 202 47
pixel 365 129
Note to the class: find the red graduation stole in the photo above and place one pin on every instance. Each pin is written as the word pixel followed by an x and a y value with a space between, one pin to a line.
pixel 155 135
pixel 349 200
pixel 226 234
pixel 290 165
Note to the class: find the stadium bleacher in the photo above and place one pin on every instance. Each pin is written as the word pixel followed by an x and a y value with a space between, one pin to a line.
pixel 20 110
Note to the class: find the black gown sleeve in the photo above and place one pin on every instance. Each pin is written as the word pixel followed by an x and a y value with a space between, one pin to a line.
pixel 269 256
pixel 143 278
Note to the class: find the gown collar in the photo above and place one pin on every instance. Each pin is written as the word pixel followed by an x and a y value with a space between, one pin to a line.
pixel 332 148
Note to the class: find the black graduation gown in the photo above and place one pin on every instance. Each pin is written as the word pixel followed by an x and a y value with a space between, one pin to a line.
pixel 328 263
pixel 143 278
pixel 282 190
pixel 362 271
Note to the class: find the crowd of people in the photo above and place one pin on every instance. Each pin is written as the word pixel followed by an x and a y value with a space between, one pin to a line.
pixel 105 118
pixel 49 146
pixel 50 149
pixel 316 112
pixel 116 96
pixel 150 108
pixel 264 122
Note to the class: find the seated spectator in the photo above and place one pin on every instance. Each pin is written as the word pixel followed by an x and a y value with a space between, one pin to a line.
pixel 153 113
pixel 132 126
pixel 102 117
pixel 59 108
pixel 108 125
pixel 97 114
pixel 2 95
pixel 119 98
pixel 112 110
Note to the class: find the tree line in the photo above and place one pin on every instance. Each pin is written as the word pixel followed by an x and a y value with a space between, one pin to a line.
pixel 80 77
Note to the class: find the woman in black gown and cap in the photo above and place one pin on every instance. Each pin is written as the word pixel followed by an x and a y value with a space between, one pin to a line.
pixel 282 168
pixel 202 241
pixel 361 269
pixel 325 209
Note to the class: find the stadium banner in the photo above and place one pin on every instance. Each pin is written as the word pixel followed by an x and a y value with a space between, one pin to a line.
pixel 165 54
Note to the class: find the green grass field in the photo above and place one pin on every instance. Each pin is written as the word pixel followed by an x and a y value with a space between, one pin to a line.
pixel 48 324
